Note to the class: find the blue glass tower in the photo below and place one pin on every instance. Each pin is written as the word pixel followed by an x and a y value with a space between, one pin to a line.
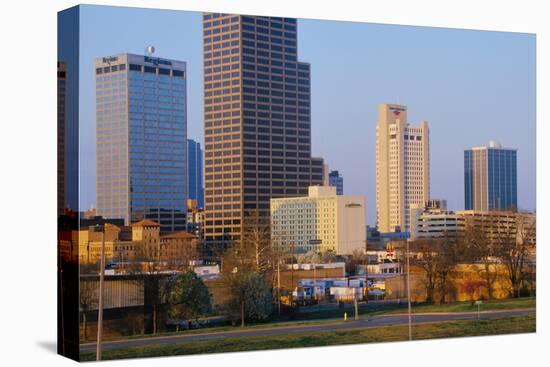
pixel 335 179
pixel 194 176
pixel 142 139
pixel 490 178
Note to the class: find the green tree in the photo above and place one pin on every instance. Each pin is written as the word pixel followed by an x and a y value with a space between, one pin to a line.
pixel 250 298
pixel 188 297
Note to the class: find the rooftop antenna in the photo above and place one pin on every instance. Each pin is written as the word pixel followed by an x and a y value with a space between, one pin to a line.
pixel 150 50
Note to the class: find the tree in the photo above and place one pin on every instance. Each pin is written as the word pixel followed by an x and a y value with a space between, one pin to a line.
pixel 250 298
pixel 310 257
pixel 255 243
pixel 356 259
pixel 514 249
pixel 427 260
pixel 437 257
pixel 88 299
pixel 188 297
pixel 471 287
pixel 328 257
pixel 476 246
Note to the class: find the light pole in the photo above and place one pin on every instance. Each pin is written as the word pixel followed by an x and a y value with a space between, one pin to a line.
pixel 100 228
pixel 409 290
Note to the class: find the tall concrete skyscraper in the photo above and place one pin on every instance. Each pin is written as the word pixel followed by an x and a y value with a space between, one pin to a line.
pixel 335 179
pixel 141 139
pixel 490 178
pixel 257 120
pixel 194 169
pixel 402 167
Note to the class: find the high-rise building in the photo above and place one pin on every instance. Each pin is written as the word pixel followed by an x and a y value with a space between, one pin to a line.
pixel 194 172
pixel 257 120
pixel 490 178
pixel 61 151
pixel 402 167
pixel 335 179
pixel 319 222
pixel 325 175
pixel 141 139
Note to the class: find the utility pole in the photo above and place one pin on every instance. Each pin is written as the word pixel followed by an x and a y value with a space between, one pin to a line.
pixel 355 304
pixel 101 281
pixel 279 284
pixel 315 282
pixel 409 290
pixel 366 273
pixel 292 273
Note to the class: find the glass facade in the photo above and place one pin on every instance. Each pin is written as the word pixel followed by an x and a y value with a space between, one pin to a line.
pixel 490 179
pixel 502 179
pixel 142 140
pixel 336 180
pixel 195 180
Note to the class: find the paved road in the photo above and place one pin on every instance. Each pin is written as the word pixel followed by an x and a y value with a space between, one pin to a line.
pixel 374 321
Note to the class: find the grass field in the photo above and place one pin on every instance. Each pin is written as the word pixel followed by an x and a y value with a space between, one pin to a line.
pixel 328 316
pixel 380 309
pixel 505 325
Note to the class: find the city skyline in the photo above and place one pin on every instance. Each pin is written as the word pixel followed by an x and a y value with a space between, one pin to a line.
pixel 489 99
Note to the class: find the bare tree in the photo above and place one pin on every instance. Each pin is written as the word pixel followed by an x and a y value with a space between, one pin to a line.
pixel 437 257
pixel 255 243
pixel 514 250
pixel 88 300
pixel 475 245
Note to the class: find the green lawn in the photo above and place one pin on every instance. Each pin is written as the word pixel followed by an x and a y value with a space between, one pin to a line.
pixel 493 305
pixel 504 325
pixel 372 309
pixel 328 316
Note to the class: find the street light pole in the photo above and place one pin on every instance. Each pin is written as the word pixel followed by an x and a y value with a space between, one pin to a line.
pixel 100 306
pixel 409 290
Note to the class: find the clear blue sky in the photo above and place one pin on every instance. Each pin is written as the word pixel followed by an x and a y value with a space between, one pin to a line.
pixel 471 87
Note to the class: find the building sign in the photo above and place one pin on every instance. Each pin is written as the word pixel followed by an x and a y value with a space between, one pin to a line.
pixel 110 59
pixel 397 110
pixel 156 61
pixel 353 205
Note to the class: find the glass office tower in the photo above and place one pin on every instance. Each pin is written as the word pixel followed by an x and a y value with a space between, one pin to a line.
pixel 335 179
pixel 257 118
pixel 142 139
pixel 490 178
pixel 194 158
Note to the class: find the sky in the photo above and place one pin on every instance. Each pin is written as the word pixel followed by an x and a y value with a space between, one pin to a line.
pixel 471 87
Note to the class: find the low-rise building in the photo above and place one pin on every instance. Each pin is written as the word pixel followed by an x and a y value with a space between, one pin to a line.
pixel 141 241
pixel 321 221
pixel 432 220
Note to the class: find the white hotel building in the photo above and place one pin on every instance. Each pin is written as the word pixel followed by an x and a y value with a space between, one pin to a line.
pixel 319 222
pixel 402 167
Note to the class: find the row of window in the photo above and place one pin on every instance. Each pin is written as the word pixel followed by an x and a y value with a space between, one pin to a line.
pixel 109 69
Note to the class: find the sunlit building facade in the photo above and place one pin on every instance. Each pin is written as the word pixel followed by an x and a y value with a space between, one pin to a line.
pixel 257 120
pixel 322 221
pixel 402 167
pixel 141 139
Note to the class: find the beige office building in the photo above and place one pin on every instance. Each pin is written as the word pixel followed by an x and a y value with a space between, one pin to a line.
pixel 402 167
pixel 319 222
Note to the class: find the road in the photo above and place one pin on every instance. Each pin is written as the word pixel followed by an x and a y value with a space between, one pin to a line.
pixel 373 321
